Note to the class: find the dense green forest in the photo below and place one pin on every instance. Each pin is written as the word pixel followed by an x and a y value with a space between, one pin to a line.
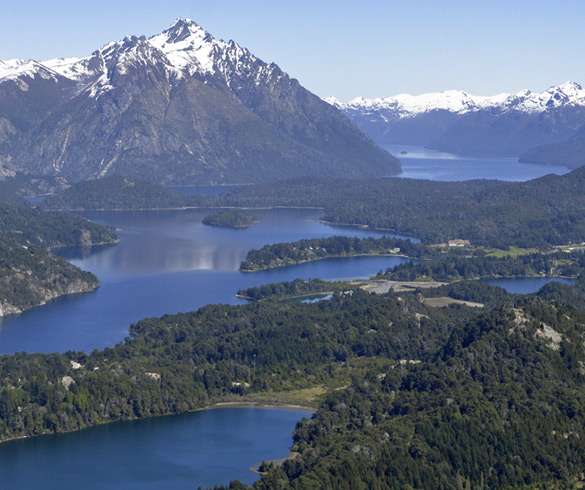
pixel 30 276
pixel 292 289
pixel 34 227
pixel 450 267
pixel 115 192
pixel 416 397
pixel 283 254
pixel 230 219
pixel 546 211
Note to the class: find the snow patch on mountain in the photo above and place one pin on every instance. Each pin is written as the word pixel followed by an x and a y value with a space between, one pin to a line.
pixel 184 49
pixel 72 68
pixel 188 47
pixel 459 102
pixel 15 69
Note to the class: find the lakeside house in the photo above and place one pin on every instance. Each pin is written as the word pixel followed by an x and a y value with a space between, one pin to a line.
pixel 458 242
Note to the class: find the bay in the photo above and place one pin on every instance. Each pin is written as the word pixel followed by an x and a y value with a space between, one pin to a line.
pixel 422 163
pixel 180 452
pixel 168 262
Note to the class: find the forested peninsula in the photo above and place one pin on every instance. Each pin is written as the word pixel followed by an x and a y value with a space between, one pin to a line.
pixel 115 192
pixel 31 226
pixel 539 213
pixel 284 254
pixel 29 274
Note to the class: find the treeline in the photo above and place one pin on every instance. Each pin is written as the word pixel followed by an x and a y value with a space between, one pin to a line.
pixel 115 192
pixel 497 406
pixel 298 287
pixel 283 254
pixel 453 267
pixel 546 211
pixel 29 274
pixel 181 362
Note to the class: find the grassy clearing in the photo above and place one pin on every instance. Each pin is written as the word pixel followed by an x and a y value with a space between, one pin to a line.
pixel 512 252
pixel 304 397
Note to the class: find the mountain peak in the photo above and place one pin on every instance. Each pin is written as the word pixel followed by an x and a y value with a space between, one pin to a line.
pixel 185 30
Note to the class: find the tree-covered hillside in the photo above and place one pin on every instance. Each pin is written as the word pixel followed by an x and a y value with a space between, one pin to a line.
pixel 33 227
pixel 115 192
pixel 30 276
pixel 546 211
pixel 417 397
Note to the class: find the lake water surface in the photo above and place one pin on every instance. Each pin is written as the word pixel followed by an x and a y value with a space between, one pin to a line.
pixel 526 285
pixel 178 452
pixel 421 163
pixel 168 262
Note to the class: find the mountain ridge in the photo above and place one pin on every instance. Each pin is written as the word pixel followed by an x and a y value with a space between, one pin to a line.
pixel 178 107
pixel 457 122
pixel 461 102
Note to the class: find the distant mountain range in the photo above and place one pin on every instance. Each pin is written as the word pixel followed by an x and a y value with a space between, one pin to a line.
pixel 178 108
pixel 457 122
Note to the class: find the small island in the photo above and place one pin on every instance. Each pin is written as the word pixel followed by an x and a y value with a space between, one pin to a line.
pixel 230 219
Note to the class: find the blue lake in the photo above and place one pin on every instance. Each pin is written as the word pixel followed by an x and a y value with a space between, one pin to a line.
pixel 526 285
pixel 179 452
pixel 421 163
pixel 168 262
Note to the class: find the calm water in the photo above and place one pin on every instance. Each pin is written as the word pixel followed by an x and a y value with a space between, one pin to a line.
pixel 168 262
pixel 420 163
pixel 204 448
pixel 526 285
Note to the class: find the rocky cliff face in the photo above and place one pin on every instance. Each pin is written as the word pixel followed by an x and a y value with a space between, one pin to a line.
pixel 180 107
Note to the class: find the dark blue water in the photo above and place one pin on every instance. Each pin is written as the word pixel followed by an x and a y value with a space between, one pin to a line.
pixel 168 262
pixel 526 285
pixel 420 163
pixel 179 452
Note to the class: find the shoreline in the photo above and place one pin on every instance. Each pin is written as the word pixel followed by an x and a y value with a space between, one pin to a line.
pixel 275 462
pixel 348 256
pixel 267 406
pixel 186 208
pixel 215 406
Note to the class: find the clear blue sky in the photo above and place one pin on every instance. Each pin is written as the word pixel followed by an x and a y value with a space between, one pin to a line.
pixel 343 48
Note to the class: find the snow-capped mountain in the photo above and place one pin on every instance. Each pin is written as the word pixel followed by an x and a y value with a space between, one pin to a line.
pixel 456 121
pixel 178 107
pixel 459 102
